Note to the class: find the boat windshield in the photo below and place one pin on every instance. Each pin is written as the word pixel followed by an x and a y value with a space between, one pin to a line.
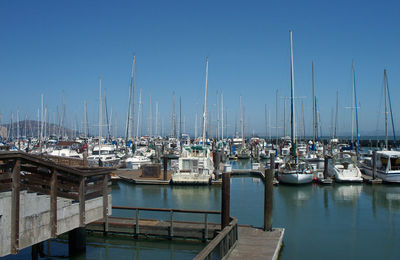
pixel 395 164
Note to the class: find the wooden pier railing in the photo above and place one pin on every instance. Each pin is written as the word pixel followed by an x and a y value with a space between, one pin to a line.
pixel 169 227
pixel 22 171
pixel 222 244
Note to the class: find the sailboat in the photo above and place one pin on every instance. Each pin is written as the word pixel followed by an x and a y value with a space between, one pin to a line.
pixel 388 162
pixel 294 170
pixel 195 165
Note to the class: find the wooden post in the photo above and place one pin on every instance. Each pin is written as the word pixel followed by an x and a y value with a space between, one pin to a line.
pixel 268 194
pixel 53 203
pixel 226 192
pixel 82 201
pixel 137 223
pixel 325 167
pixel 105 203
pixel 15 204
pixel 165 165
pixel 374 159
pixel 205 226
pixel 171 228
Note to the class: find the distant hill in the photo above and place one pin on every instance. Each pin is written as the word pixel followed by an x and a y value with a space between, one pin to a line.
pixel 31 128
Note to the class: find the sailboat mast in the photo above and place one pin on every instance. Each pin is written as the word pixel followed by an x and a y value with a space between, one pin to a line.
pixel 391 111
pixel 85 119
pixel 266 120
pixel 302 121
pixel 336 115
pixel 356 107
pixel 217 135
pixel 386 112
pixel 222 115
pixel 205 106
pixel 353 105
pixel 292 115
pixel 180 118
pixel 150 118
pixel 157 134
pixel 100 116
pixel 138 132
pixel 133 97
pixel 195 126
pixel 241 119
pixel 313 101
pixel 173 115
pixel 276 118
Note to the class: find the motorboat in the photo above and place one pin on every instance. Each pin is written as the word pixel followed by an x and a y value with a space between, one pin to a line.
pixel 343 168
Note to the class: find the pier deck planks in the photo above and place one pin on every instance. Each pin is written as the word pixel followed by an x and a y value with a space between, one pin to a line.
pixel 254 243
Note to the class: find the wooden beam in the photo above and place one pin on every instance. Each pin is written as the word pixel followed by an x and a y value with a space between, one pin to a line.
pixel 15 204
pixel 53 203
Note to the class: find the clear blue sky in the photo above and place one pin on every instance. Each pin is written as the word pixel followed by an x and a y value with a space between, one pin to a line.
pixel 50 46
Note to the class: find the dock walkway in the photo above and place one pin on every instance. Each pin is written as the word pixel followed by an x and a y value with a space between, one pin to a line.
pixel 254 243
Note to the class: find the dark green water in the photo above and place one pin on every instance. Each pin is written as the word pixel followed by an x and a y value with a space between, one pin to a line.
pixel 322 222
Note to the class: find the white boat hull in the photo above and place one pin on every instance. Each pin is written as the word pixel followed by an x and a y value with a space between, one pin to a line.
pixel 345 175
pixel 393 176
pixel 295 178
pixel 190 178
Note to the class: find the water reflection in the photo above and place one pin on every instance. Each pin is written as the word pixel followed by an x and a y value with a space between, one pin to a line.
pixel 295 196
pixel 384 197
pixel 346 193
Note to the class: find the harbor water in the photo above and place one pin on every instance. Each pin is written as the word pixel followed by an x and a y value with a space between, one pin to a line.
pixel 353 221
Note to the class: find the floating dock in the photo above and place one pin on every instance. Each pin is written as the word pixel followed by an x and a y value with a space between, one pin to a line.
pixel 370 180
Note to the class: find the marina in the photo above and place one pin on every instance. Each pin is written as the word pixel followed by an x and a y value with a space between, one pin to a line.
pixel 209 130
pixel 347 211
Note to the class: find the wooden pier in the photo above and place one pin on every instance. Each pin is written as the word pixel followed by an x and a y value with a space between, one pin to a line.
pixel 167 228
pixel 255 243
pixel 40 199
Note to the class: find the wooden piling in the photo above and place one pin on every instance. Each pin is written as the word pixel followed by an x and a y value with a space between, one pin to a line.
pixel 325 167
pixel 226 192
pixel 268 194
pixel 165 165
